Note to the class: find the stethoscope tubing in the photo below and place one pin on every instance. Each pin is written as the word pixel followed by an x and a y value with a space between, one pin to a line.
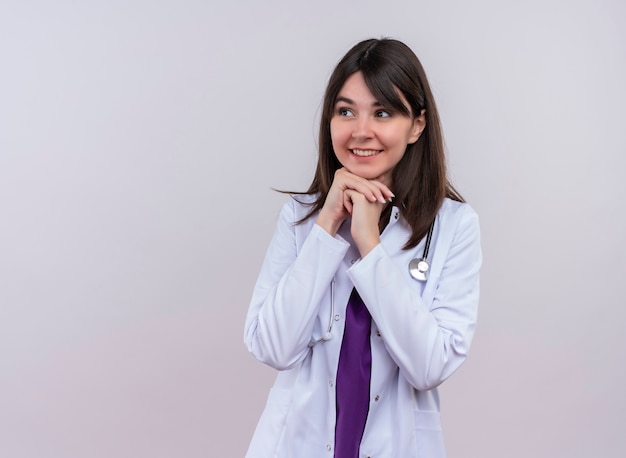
pixel 418 269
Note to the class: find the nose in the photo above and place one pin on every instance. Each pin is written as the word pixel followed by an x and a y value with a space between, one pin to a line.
pixel 363 128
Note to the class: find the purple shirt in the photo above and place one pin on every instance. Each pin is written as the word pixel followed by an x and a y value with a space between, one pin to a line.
pixel 353 379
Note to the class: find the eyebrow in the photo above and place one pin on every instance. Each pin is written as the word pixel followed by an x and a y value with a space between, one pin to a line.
pixel 351 102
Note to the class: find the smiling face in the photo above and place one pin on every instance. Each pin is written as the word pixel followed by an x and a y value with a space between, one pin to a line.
pixel 369 139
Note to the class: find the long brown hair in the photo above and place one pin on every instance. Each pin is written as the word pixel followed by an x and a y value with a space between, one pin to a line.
pixel 419 180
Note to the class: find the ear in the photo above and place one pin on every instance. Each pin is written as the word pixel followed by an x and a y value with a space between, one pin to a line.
pixel 419 123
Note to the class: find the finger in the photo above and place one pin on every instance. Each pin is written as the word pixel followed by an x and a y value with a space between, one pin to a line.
pixel 347 200
pixel 374 191
pixel 377 187
pixel 355 198
pixel 380 184
pixel 384 190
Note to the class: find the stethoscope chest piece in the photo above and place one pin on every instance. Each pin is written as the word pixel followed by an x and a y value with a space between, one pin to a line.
pixel 418 268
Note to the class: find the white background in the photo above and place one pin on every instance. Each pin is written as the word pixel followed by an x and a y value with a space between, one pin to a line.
pixel 139 141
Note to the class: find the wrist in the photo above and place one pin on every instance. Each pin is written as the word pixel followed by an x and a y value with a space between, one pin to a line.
pixel 327 224
pixel 367 245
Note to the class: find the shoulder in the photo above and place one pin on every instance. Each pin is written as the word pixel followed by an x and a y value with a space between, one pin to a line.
pixel 298 206
pixel 304 199
pixel 458 219
pixel 455 210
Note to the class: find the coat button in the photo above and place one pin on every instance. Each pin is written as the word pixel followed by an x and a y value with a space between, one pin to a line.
pixel 376 398
pixel 331 383
pixel 329 447
pixel 337 317
pixel 378 333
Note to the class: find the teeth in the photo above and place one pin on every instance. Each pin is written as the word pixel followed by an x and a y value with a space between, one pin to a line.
pixel 365 152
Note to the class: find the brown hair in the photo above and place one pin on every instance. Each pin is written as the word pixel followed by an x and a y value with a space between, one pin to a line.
pixel 419 180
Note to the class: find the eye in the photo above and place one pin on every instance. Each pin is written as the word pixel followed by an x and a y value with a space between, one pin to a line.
pixel 383 114
pixel 345 112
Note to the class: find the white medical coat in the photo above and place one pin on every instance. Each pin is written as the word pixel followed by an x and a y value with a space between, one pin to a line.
pixel 420 333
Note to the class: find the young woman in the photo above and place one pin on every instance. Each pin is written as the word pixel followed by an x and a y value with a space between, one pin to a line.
pixel 368 294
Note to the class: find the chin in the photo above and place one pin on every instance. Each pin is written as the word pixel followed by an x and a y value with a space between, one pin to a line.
pixel 368 175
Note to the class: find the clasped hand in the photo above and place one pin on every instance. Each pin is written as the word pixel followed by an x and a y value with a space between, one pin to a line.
pixel 363 199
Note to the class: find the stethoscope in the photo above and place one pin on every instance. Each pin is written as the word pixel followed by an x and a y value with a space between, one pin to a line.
pixel 418 268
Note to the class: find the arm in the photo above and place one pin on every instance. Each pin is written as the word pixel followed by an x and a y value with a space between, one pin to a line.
pixel 292 283
pixel 427 343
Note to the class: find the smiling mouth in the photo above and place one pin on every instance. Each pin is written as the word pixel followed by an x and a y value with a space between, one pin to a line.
pixel 365 152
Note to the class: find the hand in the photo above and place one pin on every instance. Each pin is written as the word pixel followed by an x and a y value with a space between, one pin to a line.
pixel 338 207
pixel 365 217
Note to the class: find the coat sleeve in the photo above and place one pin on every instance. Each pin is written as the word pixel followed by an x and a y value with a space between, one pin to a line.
pixel 294 278
pixel 428 342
